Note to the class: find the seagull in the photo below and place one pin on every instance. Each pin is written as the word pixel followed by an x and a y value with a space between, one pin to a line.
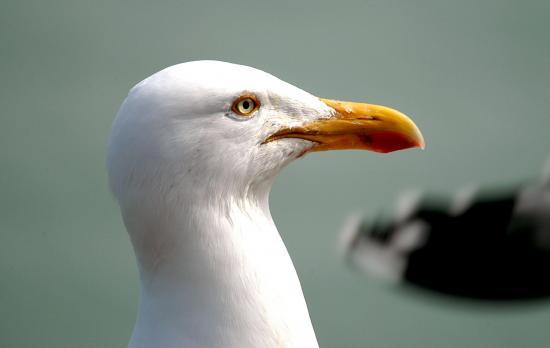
pixel 192 155
pixel 505 233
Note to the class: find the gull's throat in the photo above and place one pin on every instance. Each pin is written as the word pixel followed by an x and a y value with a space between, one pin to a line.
pixel 217 275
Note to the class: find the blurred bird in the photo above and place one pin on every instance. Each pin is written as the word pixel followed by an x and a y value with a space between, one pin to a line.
pixel 482 244
pixel 192 156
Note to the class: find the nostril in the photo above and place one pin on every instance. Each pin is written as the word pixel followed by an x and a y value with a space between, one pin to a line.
pixel 368 118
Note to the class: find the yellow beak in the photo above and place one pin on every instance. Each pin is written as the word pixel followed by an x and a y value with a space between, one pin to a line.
pixel 357 126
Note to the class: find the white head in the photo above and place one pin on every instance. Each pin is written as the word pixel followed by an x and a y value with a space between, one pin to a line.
pixel 183 126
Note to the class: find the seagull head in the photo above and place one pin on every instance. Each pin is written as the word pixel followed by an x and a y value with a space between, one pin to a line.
pixel 228 127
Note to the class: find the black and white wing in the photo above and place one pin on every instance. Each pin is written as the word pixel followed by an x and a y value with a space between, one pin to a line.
pixel 492 245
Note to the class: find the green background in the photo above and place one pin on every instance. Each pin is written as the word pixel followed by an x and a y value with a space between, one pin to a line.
pixel 474 75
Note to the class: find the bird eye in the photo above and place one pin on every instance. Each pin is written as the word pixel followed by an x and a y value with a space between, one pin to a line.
pixel 245 105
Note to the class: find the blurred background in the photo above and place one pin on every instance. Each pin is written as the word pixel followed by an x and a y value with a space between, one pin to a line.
pixel 474 75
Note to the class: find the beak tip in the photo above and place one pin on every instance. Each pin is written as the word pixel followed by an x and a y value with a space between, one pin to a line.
pixel 418 138
pixel 421 143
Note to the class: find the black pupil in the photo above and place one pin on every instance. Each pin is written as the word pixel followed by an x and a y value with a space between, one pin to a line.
pixel 246 104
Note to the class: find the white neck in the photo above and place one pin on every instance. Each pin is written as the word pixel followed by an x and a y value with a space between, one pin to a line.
pixel 215 274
